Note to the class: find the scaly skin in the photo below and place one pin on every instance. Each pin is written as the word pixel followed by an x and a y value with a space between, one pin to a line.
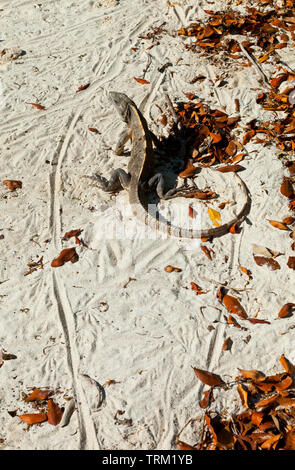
pixel 141 169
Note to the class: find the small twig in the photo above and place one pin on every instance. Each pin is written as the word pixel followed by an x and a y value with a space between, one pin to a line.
pixel 254 63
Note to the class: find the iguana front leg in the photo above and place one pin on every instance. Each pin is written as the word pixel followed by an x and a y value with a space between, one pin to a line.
pixel 119 180
pixel 126 135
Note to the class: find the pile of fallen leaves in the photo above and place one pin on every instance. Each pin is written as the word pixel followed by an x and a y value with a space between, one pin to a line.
pixel 280 131
pixel 208 135
pixel 268 30
pixel 268 422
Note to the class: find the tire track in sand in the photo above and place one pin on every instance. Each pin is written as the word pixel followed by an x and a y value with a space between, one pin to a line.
pixel 88 440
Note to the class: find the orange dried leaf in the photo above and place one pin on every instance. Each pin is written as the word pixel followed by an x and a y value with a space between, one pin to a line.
pixel 233 306
pixel 257 417
pixel 207 252
pixel 82 87
pixel 215 137
pixel 191 212
pixel 54 413
pixel 254 321
pixel 291 262
pixel 264 403
pixel 38 106
pixel 288 220
pixel 248 136
pixel 232 321
pixel 231 149
pixel 38 394
pixel 289 368
pixel 285 401
pixel 229 168
pixel 13 184
pixel 208 378
pixel 141 81
pixel 33 418
pixel 68 254
pixel 268 444
pixel 284 383
pixel 270 262
pixel 286 188
pixel 198 289
pixel 252 374
pixel 227 344
pixel 207 399
pixel 170 269
pixel 278 225
pixel 246 271
pixel 286 310
pixel 72 233
pixel 184 446
pixel 243 395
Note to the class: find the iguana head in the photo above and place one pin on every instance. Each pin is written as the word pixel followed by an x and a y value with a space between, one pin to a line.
pixel 122 104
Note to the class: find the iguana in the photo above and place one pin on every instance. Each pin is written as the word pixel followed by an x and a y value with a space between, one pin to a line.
pixel 141 176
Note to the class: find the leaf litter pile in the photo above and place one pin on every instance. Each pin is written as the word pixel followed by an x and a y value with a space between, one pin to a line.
pixel 267 421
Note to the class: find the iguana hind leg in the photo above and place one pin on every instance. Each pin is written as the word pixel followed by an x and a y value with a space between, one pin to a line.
pixel 119 180
pixel 158 180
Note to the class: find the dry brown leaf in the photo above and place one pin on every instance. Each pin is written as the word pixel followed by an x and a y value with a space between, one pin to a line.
pixel 207 399
pixel 170 269
pixel 227 344
pixel 268 443
pixel 289 368
pixel 253 374
pixel 291 262
pixel 38 394
pixel 33 418
pixel 243 395
pixel 231 321
pixel 184 446
pixel 284 383
pixel 290 440
pixel 248 136
pixel 68 254
pixel 286 310
pixel 254 321
pixel 54 412
pixel 82 87
pixel 142 81
pixel 228 168
pixel 286 188
pixel 264 403
pixel 269 262
pixel 246 271
pixel 208 378
pixel 233 306
pixel 207 252
pixel 198 289
pixel 13 184
pixel 72 233
pixel 278 225
pixel 38 106
pixel 288 220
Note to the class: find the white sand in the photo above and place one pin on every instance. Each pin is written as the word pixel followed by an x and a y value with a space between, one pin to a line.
pixel 79 320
